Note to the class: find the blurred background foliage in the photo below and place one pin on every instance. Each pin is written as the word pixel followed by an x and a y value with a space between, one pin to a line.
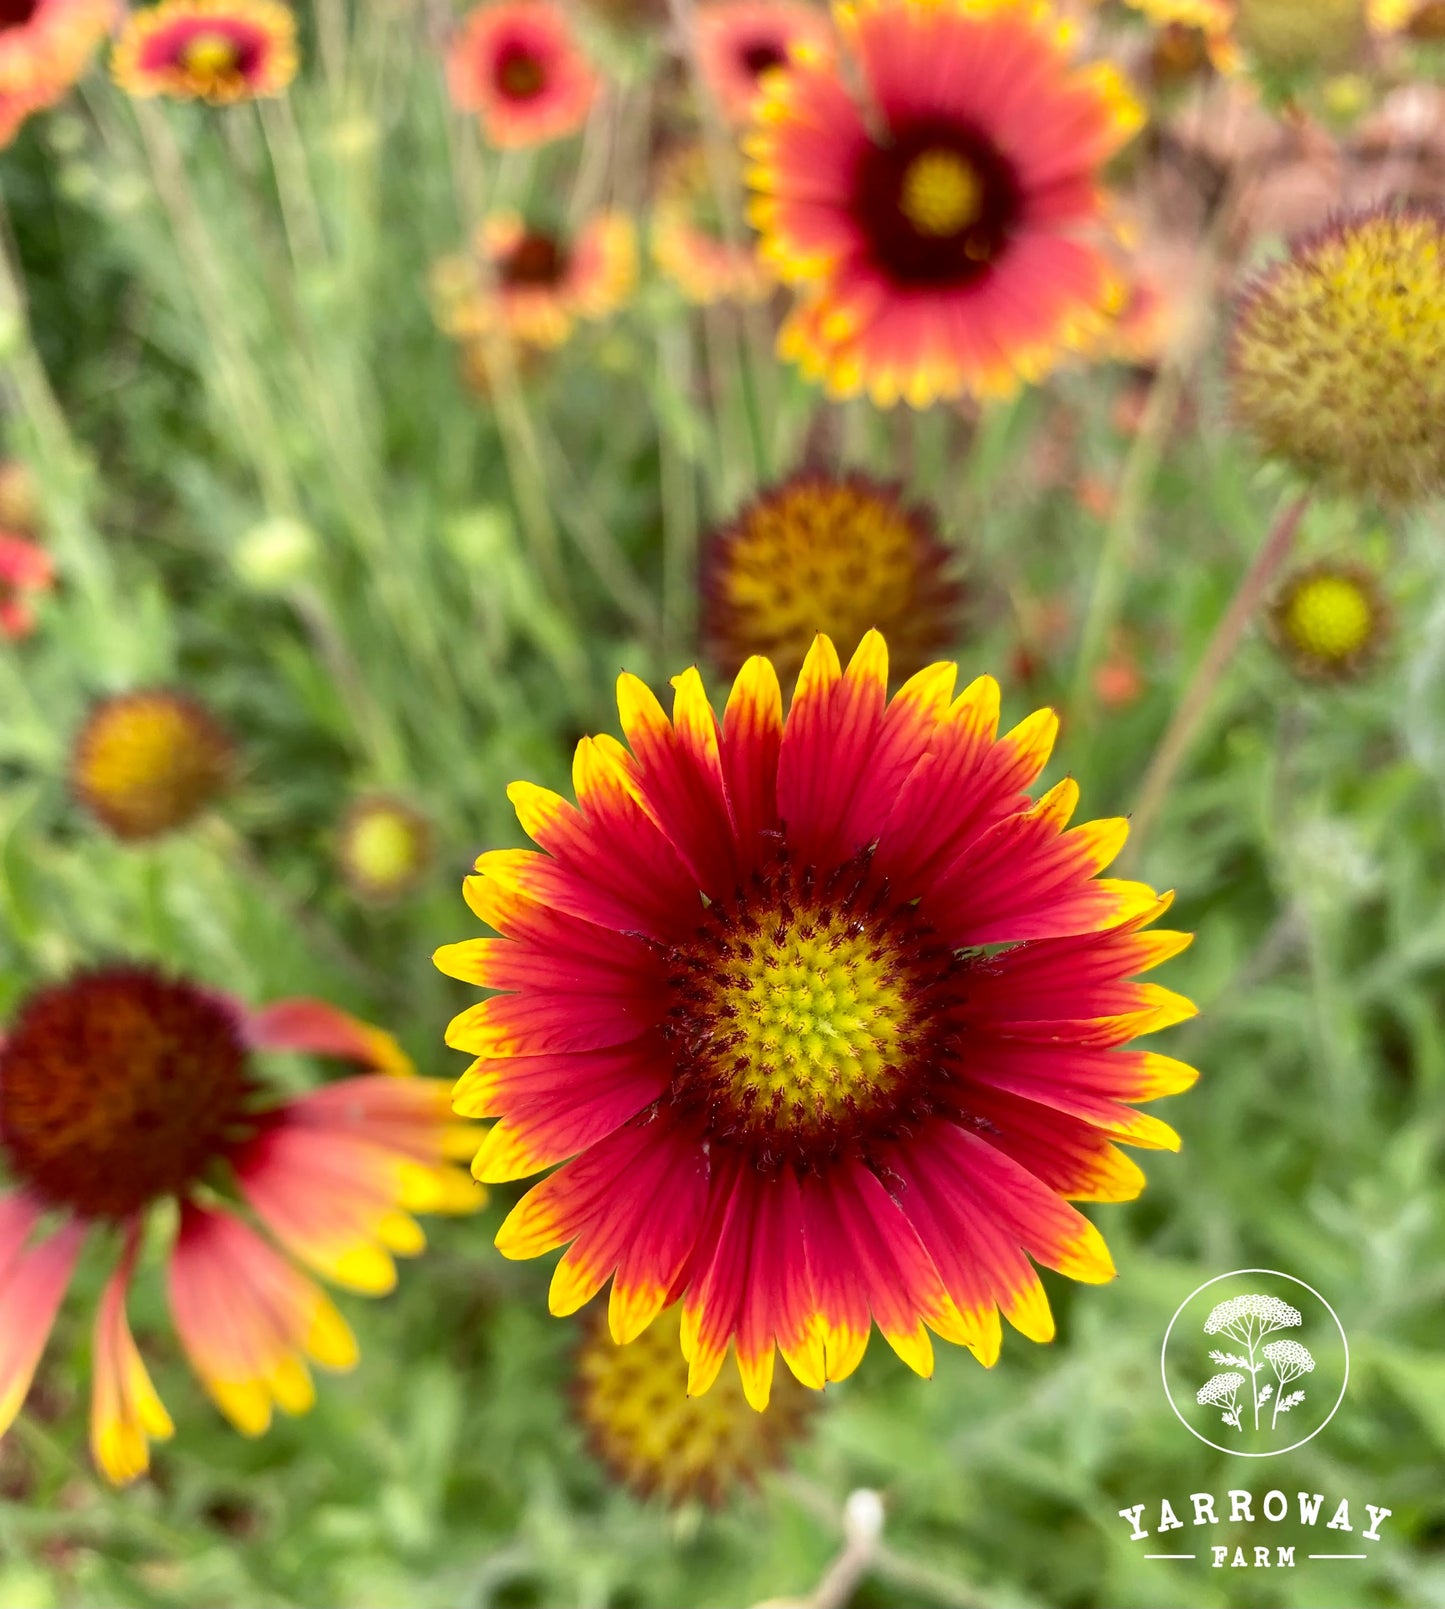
pixel 264 479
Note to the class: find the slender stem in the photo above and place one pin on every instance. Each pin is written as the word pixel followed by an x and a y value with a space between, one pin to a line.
pixel 1189 713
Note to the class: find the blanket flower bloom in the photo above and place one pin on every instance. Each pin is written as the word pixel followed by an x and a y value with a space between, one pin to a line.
pixel 149 762
pixel 46 45
pixel 826 1013
pixel 27 572
pixel 946 230
pixel 740 41
pixel 634 1409
pixel 221 51
pixel 122 1090
pixel 831 553
pixel 519 67
pixel 533 284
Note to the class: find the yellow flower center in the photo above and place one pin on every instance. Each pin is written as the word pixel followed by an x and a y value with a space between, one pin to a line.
pixel 211 56
pixel 1329 617
pixel 819 1022
pixel 941 194
pixel 384 847
pixel 633 1403
pixel 118 1088
pixel 811 1016
pixel 148 762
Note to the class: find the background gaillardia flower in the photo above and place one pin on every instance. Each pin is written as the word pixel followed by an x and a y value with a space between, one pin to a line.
pixel 827 1014
pixel 738 41
pixel 828 553
pixel 26 573
pixel 1338 354
pixel 519 67
pixel 641 1423
pixel 122 1090
pixel 219 51
pixel 940 232
pixel 689 244
pixel 45 46
pixel 146 763
pixel 1330 620
pixel 534 283
pixel 384 847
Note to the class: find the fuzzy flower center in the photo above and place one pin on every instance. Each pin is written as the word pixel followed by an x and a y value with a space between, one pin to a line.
pixel 16 13
pixel 633 1404
pixel 537 259
pixel 520 75
pixel 940 194
pixel 118 1088
pixel 1329 616
pixel 936 204
pixel 762 56
pixel 148 762
pixel 211 56
pixel 807 1015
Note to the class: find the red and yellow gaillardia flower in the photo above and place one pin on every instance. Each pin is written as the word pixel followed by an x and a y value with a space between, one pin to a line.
pixel 826 1013
pixel 739 42
pixel 26 573
pixel 518 66
pixel 640 1423
pixel 689 244
pixel 534 284
pixel 122 1091
pixel 45 46
pixel 941 229
pixel 829 553
pixel 219 51
pixel 148 762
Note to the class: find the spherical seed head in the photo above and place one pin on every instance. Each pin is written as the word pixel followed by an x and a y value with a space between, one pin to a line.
pixel 819 552
pixel 384 847
pixel 1338 355
pixel 119 1087
pixel 1329 621
pixel 633 1404
pixel 147 763
pixel 1219 1388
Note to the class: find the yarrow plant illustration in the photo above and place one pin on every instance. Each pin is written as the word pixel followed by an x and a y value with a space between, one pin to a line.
pixel 1248 1320
pixel 1222 1391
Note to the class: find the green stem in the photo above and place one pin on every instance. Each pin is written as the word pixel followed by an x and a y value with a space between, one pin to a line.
pixel 1255 584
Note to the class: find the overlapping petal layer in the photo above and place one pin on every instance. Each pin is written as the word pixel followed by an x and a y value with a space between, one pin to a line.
pixel 926 1205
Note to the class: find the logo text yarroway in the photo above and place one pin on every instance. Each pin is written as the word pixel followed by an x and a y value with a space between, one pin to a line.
pixel 1237 1507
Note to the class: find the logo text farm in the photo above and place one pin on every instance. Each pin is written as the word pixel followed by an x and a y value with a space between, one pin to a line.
pixel 1237 1507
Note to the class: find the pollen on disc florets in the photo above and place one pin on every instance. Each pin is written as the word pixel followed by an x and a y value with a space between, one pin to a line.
pixel 119 1087
pixel 819 552
pixel 1330 620
pixel 633 1405
pixel 806 1015
pixel 147 763
pixel 1338 355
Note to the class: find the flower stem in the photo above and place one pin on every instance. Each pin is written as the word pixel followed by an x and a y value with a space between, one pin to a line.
pixel 1183 726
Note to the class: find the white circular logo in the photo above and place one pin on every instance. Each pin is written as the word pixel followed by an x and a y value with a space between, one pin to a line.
pixel 1255 1362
